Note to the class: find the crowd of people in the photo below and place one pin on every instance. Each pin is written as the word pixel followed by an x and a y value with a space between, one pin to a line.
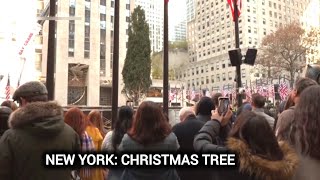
pixel 283 147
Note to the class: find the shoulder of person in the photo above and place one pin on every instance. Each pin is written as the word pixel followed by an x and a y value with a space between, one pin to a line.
pixel 171 137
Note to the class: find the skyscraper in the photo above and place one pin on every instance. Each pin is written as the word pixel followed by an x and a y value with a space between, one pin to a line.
pixel 211 34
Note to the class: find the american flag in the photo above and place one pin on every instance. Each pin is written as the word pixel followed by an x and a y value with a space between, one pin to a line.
pixel 283 90
pixel 271 90
pixel 8 89
pixel 248 92
pixel 239 5
pixel 234 93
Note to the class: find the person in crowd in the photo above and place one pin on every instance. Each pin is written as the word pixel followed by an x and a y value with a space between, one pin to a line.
pixel 184 113
pixel 36 127
pixel 204 108
pixel 96 120
pixel 75 118
pixel 286 117
pixel 4 116
pixel 186 129
pixel 313 72
pixel 305 134
pixel 257 104
pixel 246 106
pixel 10 104
pixel 259 155
pixel 150 132
pixel 113 138
pixel 185 132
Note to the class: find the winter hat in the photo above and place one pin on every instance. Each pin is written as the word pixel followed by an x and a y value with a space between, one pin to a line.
pixel 30 89
pixel 313 72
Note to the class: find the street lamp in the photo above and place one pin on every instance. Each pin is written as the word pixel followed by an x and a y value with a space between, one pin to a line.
pixel 236 57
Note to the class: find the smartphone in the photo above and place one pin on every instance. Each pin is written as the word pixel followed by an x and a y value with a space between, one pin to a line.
pixel 224 103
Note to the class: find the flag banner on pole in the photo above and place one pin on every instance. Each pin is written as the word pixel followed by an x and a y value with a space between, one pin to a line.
pixel 271 90
pixel 283 90
pixel 36 29
pixel 8 89
pixel 239 5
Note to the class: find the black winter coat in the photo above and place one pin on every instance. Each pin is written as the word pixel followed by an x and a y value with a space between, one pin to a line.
pixel 250 166
pixel 185 132
pixel 35 129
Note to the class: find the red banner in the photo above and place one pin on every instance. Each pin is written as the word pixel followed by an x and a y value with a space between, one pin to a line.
pixel 239 5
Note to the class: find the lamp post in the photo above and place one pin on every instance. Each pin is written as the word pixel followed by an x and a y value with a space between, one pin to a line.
pixel 238 67
pixel 51 51
pixel 165 60
pixel 115 67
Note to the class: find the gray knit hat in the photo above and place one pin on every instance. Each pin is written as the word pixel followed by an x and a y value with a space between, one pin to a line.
pixel 30 89
pixel 313 72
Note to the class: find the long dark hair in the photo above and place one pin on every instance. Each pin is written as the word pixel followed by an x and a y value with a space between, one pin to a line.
pixel 305 133
pixel 121 125
pixel 150 124
pixel 255 131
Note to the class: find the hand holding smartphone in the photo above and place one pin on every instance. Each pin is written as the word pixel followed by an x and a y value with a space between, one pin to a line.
pixel 224 104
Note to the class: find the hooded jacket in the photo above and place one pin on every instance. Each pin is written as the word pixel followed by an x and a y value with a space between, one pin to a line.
pixel 35 129
pixel 250 166
pixel 254 167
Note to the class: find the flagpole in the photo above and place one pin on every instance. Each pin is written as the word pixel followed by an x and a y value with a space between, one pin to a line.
pixel 238 67
pixel 165 60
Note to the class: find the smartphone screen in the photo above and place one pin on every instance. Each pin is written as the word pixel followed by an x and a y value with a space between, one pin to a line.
pixel 223 105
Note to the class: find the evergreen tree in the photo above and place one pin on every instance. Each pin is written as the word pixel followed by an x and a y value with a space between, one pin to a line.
pixel 137 65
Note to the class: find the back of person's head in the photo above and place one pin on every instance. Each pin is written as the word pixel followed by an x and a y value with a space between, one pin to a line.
pixel 258 100
pixel 75 118
pixel 4 117
pixel 32 91
pixel 313 72
pixel 204 106
pixel 149 125
pixel 302 84
pixel 122 124
pixel 244 108
pixel 185 112
pixel 256 132
pixel 306 123
pixel 95 119
pixel 215 99
pixel 10 104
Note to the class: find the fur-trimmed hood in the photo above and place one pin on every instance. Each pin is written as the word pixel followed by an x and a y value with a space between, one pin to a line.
pixel 261 168
pixel 39 117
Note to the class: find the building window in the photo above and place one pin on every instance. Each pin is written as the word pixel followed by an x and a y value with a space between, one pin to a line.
pixel 223 66
pixel 223 76
pixel 112 4
pixel 128 6
pixel 127 19
pixel 71 38
pixel 103 2
pixel 229 75
pixel 86 41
